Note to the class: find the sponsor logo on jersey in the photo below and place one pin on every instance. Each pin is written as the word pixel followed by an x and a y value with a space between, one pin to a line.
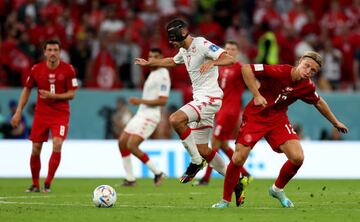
pixel 74 82
pixel 214 47
pixel 259 67
pixel 163 87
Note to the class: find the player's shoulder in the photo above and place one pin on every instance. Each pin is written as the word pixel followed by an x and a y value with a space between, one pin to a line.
pixel 163 73
pixel 38 66
pixel 67 66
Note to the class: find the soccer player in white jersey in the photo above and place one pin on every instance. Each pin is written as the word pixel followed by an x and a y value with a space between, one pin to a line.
pixel 142 125
pixel 193 121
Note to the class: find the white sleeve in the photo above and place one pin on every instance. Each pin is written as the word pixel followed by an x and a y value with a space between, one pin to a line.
pixel 211 50
pixel 165 83
pixel 178 58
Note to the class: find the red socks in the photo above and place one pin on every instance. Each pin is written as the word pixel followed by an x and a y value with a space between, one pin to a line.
pixel 231 179
pixel 287 172
pixel 229 153
pixel 125 152
pixel 144 158
pixel 53 165
pixel 185 134
pixel 35 166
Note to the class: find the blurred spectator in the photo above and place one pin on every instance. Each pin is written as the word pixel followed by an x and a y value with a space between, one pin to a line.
pixel 268 48
pixel 331 70
pixel 300 132
pixel 210 29
pixel 120 117
pixel 306 44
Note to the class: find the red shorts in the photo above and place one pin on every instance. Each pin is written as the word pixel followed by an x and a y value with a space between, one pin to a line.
pixel 41 127
pixel 225 126
pixel 251 132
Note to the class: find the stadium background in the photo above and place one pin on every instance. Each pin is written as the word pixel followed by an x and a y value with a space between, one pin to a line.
pixel 101 38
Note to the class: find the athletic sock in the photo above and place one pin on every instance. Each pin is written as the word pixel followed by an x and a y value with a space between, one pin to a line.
pixel 190 146
pixel 35 166
pixel 217 163
pixel 53 165
pixel 287 172
pixel 126 161
pixel 231 179
pixel 229 153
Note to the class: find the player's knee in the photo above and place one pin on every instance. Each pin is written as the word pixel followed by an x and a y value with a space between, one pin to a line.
pixel 57 144
pixel 36 150
pixel 238 159
pixel 297 160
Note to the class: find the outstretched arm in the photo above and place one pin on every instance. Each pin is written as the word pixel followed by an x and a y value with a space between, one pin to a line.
pixel 165 62
pixel 251 83
pixel 160 101
pixel 224 60
pixel 325 110
pixel 24 97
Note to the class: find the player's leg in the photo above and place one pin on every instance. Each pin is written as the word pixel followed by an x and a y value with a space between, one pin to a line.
pixel 233 174
pixel 295 155
pixel 179 121
pixel 215 145
pixel 59 132
pixel 54 162
pixel 126 159
pixel 212 157
pixel 133 144
pixel 35 166
pixel 39 134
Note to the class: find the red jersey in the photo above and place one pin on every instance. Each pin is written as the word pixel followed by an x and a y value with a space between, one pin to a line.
pixel 233 86
pixel 58 80
pixel 279 91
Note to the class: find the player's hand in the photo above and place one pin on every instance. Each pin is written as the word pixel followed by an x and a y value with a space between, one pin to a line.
pixel 44 94
pixel 15 120
pixel 142 62
pixel 204 68
pixel 341 127
pixel 260 101
pixel 134 101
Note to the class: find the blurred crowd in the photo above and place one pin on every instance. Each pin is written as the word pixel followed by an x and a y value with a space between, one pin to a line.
pixel 101 38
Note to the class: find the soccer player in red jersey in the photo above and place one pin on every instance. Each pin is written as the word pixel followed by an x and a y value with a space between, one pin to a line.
pixel 56 82
pixel 233 86
pixel 265 116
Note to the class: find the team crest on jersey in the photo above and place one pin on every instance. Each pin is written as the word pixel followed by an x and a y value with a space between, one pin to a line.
pixel 193 49
pixel 214 47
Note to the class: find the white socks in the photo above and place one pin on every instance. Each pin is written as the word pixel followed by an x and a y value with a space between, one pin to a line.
pixel 276 189
pixel 128 168
pixel 152 167
pixel 218 164
pixel 190 146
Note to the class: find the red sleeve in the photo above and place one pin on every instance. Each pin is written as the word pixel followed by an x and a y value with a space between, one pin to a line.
pixel 311 96
pixel 72 83
pixel 30 82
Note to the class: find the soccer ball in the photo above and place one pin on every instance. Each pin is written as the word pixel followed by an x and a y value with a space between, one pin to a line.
pixel 104 196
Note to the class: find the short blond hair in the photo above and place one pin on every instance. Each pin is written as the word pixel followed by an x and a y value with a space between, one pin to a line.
pixel 314 56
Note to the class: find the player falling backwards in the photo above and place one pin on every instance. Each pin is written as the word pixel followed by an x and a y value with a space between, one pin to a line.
pixel 193 121
pixel 265 116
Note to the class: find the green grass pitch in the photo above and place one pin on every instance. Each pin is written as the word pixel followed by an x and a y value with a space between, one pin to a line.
pixel 315 200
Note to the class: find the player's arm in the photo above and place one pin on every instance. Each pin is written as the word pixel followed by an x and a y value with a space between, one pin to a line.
pixel 223 60
pixel 325 110
pixel 251 83
pixel 160 101
pixel 70 94
pixel 164 62
pixel 24 97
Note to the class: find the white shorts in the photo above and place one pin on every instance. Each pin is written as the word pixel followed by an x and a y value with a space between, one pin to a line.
pixel 141 126
pixel 201 114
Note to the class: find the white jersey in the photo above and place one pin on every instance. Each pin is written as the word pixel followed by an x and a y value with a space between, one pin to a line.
pixel 200 52
pixel 157 84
